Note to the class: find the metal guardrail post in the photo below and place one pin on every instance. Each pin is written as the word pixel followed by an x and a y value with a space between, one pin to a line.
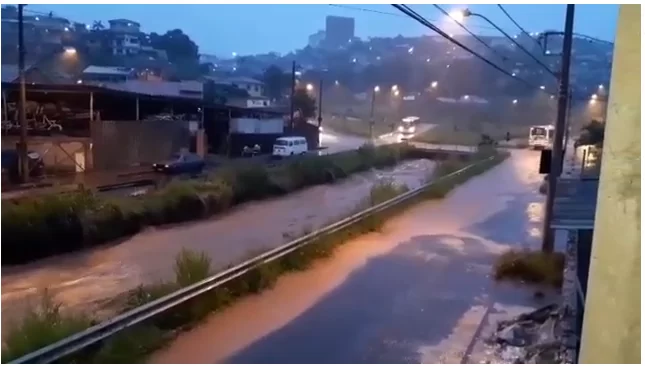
pixel 108 328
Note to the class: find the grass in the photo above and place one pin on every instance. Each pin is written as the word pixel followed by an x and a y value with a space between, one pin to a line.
pixel 48 225
pixel 134 344
pixel 535 267
pixel 356 127
pixel 41 326
pixel 464 134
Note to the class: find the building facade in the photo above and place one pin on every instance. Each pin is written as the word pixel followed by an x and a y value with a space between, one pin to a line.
pixel 338 31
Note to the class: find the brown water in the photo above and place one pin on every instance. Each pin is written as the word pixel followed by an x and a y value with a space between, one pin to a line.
pixel 416 292
pixel 86 281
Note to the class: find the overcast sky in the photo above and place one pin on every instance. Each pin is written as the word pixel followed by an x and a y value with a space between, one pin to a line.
pixel 250 29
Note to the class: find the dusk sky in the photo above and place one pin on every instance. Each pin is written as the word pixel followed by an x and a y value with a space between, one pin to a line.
pixel 250 29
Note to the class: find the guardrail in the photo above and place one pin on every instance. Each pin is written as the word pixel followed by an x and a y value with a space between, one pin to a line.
pixel 102 331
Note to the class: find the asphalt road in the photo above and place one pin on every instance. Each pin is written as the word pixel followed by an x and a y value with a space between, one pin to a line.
pixel 417 292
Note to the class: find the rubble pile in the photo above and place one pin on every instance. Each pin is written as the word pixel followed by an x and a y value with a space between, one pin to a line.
pixel 535 337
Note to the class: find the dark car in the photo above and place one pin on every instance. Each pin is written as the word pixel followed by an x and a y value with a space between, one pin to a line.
pixel 180 164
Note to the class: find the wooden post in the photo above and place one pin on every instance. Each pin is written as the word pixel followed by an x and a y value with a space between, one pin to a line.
pixel 91 106
pixel 137 108
pixel 612 318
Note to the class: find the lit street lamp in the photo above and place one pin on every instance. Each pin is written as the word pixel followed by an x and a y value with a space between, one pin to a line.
pixel 377 89
pixel 396 93
pixel 542 87
pixel 395 87
pixel 70 51
pixel 434 84
pixel 310 87
pixel 336 83
pixel 514 101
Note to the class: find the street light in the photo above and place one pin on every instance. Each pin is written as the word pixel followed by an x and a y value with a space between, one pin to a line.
pixel 377 89
pixel 396 93
pixel 336 83
pixel 310 87
pixel 457 15
pixel 70 51
pixel 594 96
pixel 434 84
pixel 465 13
pixel 395 87
pixel 514 101
pixel 542 87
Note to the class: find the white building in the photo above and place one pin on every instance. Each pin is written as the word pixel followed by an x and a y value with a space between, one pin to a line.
pixel 126 39
pixel 254 87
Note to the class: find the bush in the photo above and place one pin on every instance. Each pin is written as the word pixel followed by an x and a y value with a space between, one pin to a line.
pixel 40 327
pixel 535 267
pixel 54 224
pixel 191 267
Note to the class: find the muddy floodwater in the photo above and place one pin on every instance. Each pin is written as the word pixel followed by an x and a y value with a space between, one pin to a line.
pixel 87 281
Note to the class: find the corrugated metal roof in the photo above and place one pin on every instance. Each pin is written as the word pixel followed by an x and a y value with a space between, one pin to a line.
pixel 107 70
pixel 9 73
pixel 575 204
pixel 159 88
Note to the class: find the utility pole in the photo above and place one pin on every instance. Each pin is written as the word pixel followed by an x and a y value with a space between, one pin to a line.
pixel 372 116
pixel 556 156
pixel 22 102
pixel 293 91
pixel 320 98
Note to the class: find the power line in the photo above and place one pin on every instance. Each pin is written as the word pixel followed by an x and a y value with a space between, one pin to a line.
pixel 516 43
pixel 517 24
pixel 357 8
pixel 412 14
pixel 504 58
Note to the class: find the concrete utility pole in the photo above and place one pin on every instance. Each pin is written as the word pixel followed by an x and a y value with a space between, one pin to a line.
pixel 558 140
pixel 611 331
pixel 22 101
pixel 293 91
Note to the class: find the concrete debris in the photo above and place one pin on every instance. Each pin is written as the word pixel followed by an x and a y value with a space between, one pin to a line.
pixel 533 337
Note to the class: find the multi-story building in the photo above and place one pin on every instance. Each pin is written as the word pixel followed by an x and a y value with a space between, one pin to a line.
pixel 126 37
pixel 339 31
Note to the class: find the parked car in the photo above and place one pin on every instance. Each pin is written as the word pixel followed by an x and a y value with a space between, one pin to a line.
pixel 181 163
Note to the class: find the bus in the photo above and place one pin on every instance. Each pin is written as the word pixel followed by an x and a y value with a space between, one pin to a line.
pixel 407 127
pixel 541 137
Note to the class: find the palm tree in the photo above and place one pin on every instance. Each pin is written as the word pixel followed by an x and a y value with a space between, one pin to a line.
pixel 97 25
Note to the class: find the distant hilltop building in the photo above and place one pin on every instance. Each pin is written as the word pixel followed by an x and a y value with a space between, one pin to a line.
pixel 338 31
pixel 316 39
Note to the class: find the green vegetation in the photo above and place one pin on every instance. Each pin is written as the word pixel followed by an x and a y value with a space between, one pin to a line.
pixel 48 225
pixel 41 326
pixel 536 267
pixel 357 127
pixel 132 345
pixel 471 135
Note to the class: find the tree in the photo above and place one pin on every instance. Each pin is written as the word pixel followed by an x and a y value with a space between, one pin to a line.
pixel 178 46
pixel 97 25
pixel 592 133
pixel 304 104
pixel 276 82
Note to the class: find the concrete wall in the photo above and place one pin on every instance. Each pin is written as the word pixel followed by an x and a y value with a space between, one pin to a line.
pixel 122 144
pixel 612 323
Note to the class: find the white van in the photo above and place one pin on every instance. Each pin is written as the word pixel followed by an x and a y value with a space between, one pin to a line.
pixel 541 137
pixel 288 146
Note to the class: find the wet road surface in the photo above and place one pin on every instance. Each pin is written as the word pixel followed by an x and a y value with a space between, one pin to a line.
pixel 86 281
pixel 417 292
